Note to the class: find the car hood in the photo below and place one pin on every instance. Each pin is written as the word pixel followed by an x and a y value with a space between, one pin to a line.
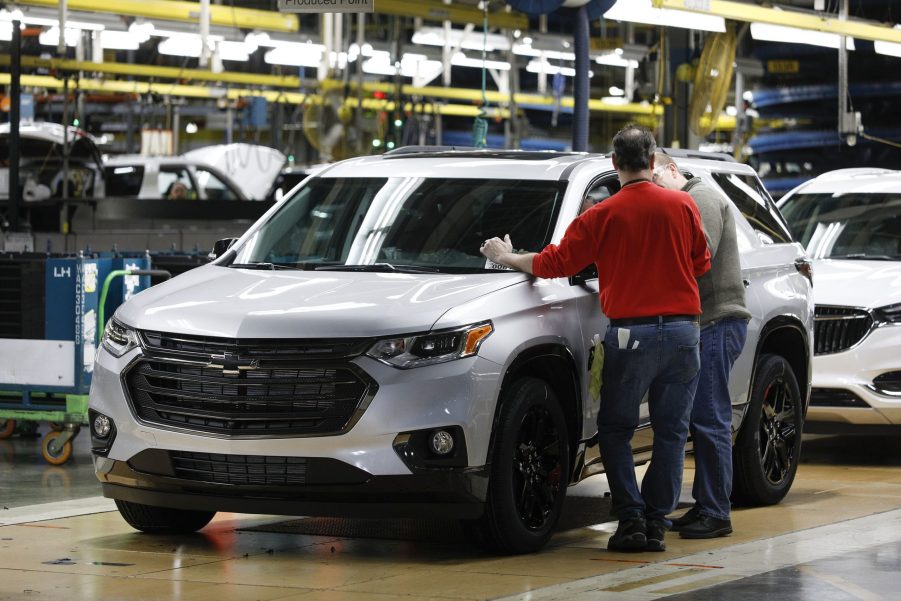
pixel 239 303
pixel 251 166
pixel 856 283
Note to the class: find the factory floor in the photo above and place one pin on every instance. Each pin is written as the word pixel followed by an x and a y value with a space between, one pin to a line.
pixel 837 536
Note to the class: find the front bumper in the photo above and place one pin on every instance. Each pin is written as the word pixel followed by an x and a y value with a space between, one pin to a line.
pixel 853 371
pixel 451 493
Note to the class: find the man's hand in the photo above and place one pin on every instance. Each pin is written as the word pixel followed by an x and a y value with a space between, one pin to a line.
pixel 495 249
pixel 501 251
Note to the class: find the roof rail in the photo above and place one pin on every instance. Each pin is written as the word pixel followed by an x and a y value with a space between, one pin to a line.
pixel 681 153
pixel 413 149
pixel 854 172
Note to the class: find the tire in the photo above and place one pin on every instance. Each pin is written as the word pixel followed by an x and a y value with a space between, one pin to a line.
pixel 768 447
pixel 528 474
pixel 52 452
pixel 7 427
pixel 163 520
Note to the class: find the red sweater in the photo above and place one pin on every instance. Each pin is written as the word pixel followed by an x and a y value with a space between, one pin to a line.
pixel 648 245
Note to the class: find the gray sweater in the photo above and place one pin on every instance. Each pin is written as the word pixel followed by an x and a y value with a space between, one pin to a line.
pixel 722 290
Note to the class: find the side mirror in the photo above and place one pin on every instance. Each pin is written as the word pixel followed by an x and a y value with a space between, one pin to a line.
pixel 221 246
pixel 589 273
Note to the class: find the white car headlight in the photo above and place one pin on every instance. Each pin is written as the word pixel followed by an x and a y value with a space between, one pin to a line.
pixel 118 339
pixel 434 347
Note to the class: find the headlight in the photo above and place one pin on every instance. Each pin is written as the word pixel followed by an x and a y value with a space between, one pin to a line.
pixel 889 314
pixel 429 349
pixel 118 339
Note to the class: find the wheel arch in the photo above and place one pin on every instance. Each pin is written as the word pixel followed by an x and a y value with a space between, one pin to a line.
pixel 787 337
pixel 554 364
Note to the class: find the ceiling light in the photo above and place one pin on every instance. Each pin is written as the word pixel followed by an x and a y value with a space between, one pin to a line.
pixel 641 11
pixel 119 40
pixel 235 51
pixel 6 32
pixel 460 38
pixel 537 66
pixel 792 35
pixel 295 54
pixel 257 38
pixel 181 45
pixel 616 91
pixel 615 60
pixel 887 48
pixel 191 128
pixel 461 60
pixel 142 29
pixel 51 36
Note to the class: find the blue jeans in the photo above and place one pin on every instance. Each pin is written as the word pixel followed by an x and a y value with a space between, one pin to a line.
pixel 711 416
pixel 664 365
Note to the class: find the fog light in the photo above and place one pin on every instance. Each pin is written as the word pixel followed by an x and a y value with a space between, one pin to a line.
pixel 441 442
pixel 101 426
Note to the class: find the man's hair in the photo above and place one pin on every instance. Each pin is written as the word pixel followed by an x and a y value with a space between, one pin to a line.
pixel 661 159
pixel 633 146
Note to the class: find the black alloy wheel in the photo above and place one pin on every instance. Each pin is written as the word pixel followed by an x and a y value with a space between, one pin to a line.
pixel 768 447
pixel 537 467
pixel 529 471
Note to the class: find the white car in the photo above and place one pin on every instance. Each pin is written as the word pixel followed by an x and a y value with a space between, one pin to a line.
pixel 850 222
pixel 217 172
pixel 354 354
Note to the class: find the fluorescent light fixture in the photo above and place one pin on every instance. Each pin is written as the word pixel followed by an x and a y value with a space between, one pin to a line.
pixel 887 48
pixel 190 128
pixel 764 32
pixel 461 60
pixel 411 65
pixel 538 66
pixel 615 60
pixel 460 38
pixel 529 50
pixel 141 29
pixel 181 45
pixel 6 32
pixel 616 91
pixel 51 36
pixel 641 11
pixel 257 38
pixel 235 51
pixel 295 54
pixel 119 40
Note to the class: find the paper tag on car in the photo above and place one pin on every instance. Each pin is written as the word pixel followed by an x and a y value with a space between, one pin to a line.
pixel 489 264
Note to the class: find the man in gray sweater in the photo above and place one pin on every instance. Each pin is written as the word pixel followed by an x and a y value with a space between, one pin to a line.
pixel 724 328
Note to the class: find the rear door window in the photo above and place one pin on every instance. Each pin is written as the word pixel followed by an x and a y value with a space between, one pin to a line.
pixel 174 183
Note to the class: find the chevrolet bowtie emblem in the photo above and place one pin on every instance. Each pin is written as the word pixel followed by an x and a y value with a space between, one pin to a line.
pixel 232 365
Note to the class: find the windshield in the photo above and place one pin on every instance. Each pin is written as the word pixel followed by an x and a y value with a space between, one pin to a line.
pixel 417 222
pixel 854 226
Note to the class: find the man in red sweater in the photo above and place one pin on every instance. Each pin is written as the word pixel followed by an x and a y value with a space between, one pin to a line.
pixel 649 247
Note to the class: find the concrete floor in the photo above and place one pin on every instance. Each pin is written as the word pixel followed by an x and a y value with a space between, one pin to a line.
pixel 837 536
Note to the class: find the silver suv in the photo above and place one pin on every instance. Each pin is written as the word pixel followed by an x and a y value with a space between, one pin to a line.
pixel 354 355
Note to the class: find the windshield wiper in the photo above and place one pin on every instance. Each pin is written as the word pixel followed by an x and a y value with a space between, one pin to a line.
pixel 380 267
pixel 265 266
pixel 865 256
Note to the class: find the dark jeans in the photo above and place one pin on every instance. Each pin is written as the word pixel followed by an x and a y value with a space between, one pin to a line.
pixel 664 365
pixel 711 416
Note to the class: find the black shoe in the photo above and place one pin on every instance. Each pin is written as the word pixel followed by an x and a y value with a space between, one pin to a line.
pixel 706 527
pixel 655 534
pixel 630 535
pixel 685 519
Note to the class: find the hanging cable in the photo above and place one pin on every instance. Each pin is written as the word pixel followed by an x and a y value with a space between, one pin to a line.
pixel 880 140
pixel 480 126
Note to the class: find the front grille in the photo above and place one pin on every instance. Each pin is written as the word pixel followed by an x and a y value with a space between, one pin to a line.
pixel 239 469
pixel 888 382
pixel 253 391
pixel 839 328
pixel 835 397
pixel 259 348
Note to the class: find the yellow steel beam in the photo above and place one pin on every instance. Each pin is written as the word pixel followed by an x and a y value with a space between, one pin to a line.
pixel 435 10
pixel 154 71
pixel 738 11
pixel 172 10
pixel 196 91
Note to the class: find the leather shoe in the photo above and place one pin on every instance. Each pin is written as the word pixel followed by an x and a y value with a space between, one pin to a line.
pixel 630 535
pixel 685 519
pixel 706 527
pixel 655 535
